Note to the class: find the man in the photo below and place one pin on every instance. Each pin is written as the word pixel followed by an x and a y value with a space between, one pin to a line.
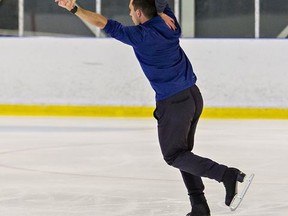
pixel 179 102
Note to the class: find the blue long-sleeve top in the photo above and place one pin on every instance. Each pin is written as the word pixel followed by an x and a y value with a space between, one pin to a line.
pixel 158 51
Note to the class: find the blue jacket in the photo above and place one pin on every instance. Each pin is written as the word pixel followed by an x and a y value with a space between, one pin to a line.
pixel 158 51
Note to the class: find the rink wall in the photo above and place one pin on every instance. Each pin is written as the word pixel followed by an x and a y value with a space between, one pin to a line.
pixel 239 78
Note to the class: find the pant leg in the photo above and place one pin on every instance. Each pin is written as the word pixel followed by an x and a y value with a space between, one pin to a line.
pixel 195 188
pixel 194 184
pixel 175 116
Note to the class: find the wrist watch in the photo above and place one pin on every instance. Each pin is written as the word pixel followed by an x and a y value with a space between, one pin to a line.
pixel 74 9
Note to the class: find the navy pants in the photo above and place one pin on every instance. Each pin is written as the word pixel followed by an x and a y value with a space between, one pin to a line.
pixel 177 118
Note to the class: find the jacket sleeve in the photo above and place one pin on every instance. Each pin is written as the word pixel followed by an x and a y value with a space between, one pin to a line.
pixel 161 5
pixel 130 35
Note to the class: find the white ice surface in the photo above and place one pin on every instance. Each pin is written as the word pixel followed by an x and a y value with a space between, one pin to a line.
pixel 104 167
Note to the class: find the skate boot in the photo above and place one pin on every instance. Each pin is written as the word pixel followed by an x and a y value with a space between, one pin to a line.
pixel 201 209
pixel 230 180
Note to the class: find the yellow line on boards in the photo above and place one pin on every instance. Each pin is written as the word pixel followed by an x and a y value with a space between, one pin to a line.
pixel 85 111
pixel 137 111
pixel 245 113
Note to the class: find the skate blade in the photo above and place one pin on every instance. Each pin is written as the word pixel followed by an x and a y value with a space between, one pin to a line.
pixel 239 197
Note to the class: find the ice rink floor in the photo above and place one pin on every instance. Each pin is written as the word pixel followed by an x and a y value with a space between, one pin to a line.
pixel 113 167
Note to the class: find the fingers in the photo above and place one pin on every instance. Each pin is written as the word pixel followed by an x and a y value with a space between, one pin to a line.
pixel 61 3
pixel 171 24
pixel 68 4
pixel 172 27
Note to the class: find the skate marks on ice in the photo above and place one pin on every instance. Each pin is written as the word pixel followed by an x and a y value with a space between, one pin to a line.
pixel 87 168
pixel 69 167
pixel 84 203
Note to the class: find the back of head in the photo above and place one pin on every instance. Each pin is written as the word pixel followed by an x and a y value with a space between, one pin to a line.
pixel 147 6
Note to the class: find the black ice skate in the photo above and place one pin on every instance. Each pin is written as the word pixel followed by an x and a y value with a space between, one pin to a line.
pixel 201 209
pixel 230 180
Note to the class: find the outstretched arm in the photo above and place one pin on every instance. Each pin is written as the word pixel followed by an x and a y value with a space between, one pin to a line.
pixel 160 5
pixel 89 16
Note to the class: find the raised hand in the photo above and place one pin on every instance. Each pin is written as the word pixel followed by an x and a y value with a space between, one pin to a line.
pixel 67 4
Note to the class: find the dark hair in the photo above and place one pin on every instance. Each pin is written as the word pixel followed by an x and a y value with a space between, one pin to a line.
pixel 147 6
